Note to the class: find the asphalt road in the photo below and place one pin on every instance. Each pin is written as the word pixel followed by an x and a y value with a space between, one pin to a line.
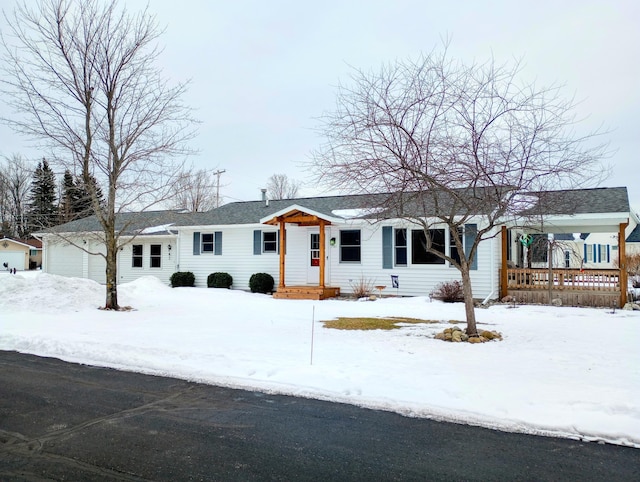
pixel 62 421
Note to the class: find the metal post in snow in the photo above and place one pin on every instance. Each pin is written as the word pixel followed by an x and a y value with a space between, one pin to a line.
pixel 313 317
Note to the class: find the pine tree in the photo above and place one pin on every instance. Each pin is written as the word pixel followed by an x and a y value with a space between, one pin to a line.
pixel 76 199
pixel 42 211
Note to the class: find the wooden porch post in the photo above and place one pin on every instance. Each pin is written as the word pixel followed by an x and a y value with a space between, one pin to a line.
pixel 622 263
pixel 322 252
pixel 283 248
pixel 504 280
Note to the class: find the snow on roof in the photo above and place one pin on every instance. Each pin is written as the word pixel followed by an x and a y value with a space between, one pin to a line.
pixel 156 229
pixel 356 212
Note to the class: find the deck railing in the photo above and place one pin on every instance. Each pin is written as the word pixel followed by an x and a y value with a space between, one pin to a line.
pixel 564 279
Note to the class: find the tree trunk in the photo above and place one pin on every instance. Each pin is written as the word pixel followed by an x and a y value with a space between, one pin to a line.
pixel 111 302
pixel 469 307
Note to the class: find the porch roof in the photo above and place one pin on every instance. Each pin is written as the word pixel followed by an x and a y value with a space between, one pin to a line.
pixel 299 215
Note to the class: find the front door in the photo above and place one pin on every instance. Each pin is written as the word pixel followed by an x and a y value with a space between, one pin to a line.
pixel 313 257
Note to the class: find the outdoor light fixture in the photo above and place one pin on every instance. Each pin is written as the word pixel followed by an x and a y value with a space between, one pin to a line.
pixel 169 248
pixel 332 241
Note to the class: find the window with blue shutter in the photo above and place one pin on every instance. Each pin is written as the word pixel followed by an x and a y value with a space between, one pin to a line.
pixel 387 247
pixel 217 243
pixel 257 242
pixel 196 243
pixel 470 234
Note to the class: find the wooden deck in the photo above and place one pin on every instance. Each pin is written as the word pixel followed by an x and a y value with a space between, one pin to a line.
pixel 306 293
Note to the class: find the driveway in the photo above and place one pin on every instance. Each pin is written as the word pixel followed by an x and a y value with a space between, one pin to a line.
pixel 62 421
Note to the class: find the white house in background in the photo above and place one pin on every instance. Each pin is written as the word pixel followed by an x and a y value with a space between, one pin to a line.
pixel 331 243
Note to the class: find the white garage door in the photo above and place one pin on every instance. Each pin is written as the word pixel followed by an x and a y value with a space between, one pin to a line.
pixel 14 259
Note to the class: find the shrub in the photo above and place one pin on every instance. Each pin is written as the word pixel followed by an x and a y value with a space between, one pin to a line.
pixel 362 288
pixel 261 283
pixel 182 278
pixel 449 292
pixel 219 280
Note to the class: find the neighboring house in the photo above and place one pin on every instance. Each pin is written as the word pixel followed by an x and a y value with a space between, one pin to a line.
pixel 633 238
pixel 21 254
pixel 331 243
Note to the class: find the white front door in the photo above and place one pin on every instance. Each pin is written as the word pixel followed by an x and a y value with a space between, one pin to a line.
pixel 313 257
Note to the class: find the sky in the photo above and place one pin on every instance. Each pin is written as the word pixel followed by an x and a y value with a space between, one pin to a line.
pixel 555 372
pixel 262 73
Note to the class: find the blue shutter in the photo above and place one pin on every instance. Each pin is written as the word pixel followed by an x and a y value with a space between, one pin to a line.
pixel 278 241
pixel 196 243
pixel 387 247
pixel 217 242
pixel 596 247
pixel 470 233
pixel 257 242
pixel 608 253
pixel 584 258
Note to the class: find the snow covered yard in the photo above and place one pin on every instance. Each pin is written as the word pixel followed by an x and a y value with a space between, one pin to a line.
pixel 569 372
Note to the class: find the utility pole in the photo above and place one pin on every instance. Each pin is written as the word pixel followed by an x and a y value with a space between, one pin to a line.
pixel 218 173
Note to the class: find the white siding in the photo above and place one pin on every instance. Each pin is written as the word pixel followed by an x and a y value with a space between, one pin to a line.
pixel 414 279
pixel 64 259
pixel 238 260
pixel 237 256
pixel 127 273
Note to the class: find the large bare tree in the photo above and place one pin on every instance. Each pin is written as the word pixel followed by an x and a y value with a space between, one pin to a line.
pixel 197 190
pixel 15 178
pixel 454 145
pixel 83 79
pixel 280 186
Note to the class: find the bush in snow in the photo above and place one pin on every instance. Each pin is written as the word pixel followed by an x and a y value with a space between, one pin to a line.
pixel 182 278
pixel 449 292
pixel 261 283
pixel 219 280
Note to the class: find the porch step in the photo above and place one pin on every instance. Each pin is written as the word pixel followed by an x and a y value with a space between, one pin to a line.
pixel 306 293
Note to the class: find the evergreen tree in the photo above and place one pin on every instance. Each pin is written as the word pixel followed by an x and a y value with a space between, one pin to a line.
pixel 75 201
pixel 42 211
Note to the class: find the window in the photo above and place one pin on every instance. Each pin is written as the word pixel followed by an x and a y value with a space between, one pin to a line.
pixel 350 245
pixel 270 242
pixel 539 248
pixel 155 260
pixel 589 252
pixel 453 249
pixel 207 242
pixel 567 258
pixel 33 252
pixel 419 254
pixel 136 258
pixel 401 247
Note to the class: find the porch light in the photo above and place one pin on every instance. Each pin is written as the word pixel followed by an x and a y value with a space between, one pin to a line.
pixel 332 241
pixel 169 247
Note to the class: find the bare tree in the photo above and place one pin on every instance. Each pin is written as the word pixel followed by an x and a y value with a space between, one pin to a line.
pixel 82 79
pixel 197 191
pixel 15 181
pixel 455 145
pixel 280 186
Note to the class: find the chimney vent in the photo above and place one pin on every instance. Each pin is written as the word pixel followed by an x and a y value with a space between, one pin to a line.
pixel 264 194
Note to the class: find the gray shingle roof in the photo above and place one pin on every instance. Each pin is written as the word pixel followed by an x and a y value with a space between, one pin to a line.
pixel 599 200
pixel 126 222
pixel 634 236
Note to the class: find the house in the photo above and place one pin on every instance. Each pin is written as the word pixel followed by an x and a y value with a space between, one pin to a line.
pixel 318 247
pixel 21 254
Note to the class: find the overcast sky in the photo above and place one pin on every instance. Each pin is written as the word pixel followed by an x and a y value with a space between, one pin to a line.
pixel 262 71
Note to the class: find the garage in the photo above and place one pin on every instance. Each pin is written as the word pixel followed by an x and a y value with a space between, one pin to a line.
pixel 13 259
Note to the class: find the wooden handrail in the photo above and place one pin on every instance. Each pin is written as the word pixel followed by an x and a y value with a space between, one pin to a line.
pixel 564 279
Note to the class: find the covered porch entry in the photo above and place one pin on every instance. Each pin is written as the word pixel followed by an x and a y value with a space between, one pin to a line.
pixel 316 289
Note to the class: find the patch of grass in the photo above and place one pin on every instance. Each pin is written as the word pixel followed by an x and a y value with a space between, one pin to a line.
pixel 390 323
